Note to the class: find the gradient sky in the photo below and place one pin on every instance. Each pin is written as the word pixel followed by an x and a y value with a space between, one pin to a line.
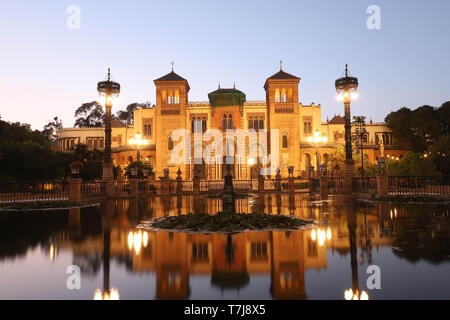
pixel 47 70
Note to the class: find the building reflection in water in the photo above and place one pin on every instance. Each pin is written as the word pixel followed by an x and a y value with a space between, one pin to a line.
pixel 229 260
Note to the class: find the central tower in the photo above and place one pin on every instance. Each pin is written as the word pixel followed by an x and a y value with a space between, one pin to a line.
pixel 284 115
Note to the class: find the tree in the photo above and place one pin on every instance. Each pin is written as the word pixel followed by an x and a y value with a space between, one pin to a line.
pixel 91 160
pixel 127 116
pixel 19 132
pixel 402 131
pixel 412 164
pixel 90 114
pixel 444 116
pixel 52 128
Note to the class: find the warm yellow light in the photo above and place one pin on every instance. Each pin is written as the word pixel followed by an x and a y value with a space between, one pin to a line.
pixel 321 236
pixel 101 100
pixel 115 294
pixel 348 294
pixel 364 296
pixel 145 239
pixel 313 235
pixel 98 295
pixel 310 139
pixel 251 161
pixel 328 234
pixel 130 240
pixel 112 295
pixel 354 95
pixel 137 242
pixel 324 139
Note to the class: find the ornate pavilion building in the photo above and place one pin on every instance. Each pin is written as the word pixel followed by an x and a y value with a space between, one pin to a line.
pixel 228 109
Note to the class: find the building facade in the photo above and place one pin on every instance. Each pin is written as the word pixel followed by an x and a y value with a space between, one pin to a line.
pixel 280 115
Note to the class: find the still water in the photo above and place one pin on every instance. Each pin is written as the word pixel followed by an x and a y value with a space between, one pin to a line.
pixel 409 244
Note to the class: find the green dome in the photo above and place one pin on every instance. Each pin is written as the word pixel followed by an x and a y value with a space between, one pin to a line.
pixel 226 97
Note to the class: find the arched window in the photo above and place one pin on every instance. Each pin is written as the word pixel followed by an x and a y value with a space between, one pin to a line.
pixel 224 122
pixel 164 96
pixel 230 122
pixel 307 128
pixel 277 95
pixel 261 123
pixel 204 125
pixel 170 144
pixel 283 95
pixel 307 161
pixel 285 142
pixel 177 97
pixel 250 123
pixel 169 100
pixel 289 96
pixel 95 144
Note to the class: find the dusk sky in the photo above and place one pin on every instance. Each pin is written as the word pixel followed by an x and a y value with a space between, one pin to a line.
pixel 48 70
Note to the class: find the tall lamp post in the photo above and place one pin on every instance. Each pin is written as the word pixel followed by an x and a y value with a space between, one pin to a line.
pixel 110 90
pixel 360 122
pixel 347 90
pixel 317 139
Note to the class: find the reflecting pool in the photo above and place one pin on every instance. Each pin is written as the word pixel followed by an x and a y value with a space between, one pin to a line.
pixel 409 243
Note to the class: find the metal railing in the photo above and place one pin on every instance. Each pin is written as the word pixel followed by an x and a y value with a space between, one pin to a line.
pixel 17 192
pixel 364 185
pixel 92 190
pixel 419 185
pixel 122 188
pixel 335 185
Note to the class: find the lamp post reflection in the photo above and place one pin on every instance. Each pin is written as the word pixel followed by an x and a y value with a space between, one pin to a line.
pixel 108 293
pixel 353 293
pixel 107 222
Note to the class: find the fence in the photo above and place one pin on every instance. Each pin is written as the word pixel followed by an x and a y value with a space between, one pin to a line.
pixel 420 185
pixel 16 192
pixel 91 190
pixel 59 191
pixel 122 188
pixel 364 185
pixel 335 185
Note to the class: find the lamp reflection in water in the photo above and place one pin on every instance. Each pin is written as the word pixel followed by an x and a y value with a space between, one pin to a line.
pixel 113 294
pixel 320 235
pixel 137 240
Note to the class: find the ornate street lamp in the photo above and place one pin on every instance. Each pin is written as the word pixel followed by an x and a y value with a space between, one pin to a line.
pixel 317 139
pixel 109 90
pixel 360 123
pixel 347 90
pixel 138 142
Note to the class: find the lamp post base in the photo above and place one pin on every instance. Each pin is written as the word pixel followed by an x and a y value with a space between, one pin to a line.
pixel 349 174
pixel 108 171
